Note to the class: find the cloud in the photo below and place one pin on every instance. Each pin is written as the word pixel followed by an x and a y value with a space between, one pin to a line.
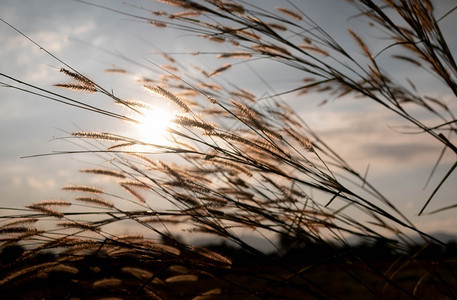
pixel 373 136
pixel 56 39
pixel 46 25
pixel 40 184
pixel 400 152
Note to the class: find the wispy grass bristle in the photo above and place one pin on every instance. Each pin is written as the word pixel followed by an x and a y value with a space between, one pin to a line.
pixel 211 86
pixel 161 91
pixel 289 13
pixel 20 222
pixel 116 70
pixel 188 122
pixel 238 54
pixel 407 59
pixel 219 70
pixel 362 44
pixel 178 269
pixel 134 103
pixel 158 24
pixel 78 77
pixel 15 229
pixel 314 49
pixel 142 157
pixel 83 188
pixel 232 166
pixel 163 248
pixel 136 184
pixel 163 220
pixel 107 283
pixel 129 237
pixel 232 7
pixel 27 270
pixel 121 145
pixel 76 87
pixel 62 268
pixel 104 172
pixel 182 278
pixel 303 141
pixel 134 193
pixel 97 201
pixel 188 200
pixel 211 99
pixel 249 34
pixel 216 39
pixel 78 225
pixel 214 256
pixel 179 3
pixel 271 50
pixel 248 112
pixel 97 135
pixel 52 203
pixel 187 14
pixel 277 26
pixel 169 68
pixel 46 210
pixel 73 241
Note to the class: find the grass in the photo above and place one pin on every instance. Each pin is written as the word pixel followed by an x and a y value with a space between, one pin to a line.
pixel 236 161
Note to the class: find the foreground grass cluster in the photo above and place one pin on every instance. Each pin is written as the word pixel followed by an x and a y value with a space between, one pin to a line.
pixel 233 162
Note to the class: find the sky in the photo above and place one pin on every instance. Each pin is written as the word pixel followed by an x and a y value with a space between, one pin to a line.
pixel 361 132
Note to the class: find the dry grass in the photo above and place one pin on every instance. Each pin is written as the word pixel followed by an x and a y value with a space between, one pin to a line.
pixel 241 163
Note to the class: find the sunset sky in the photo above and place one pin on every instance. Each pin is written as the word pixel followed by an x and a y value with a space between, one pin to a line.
pixel 360 131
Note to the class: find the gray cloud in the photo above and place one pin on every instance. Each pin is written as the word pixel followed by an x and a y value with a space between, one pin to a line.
pixel 404 153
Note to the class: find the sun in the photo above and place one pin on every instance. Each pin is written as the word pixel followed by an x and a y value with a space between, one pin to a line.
pixel 154 124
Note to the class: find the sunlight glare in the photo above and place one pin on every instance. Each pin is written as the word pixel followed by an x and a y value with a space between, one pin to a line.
pixel 154 124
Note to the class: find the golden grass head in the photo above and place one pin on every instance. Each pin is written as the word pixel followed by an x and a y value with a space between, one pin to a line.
pixel 289 13
pixel 83 188
pixel 76 87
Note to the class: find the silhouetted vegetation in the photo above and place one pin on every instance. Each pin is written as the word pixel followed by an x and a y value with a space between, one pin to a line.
pixel 237 161
pixel 249 276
